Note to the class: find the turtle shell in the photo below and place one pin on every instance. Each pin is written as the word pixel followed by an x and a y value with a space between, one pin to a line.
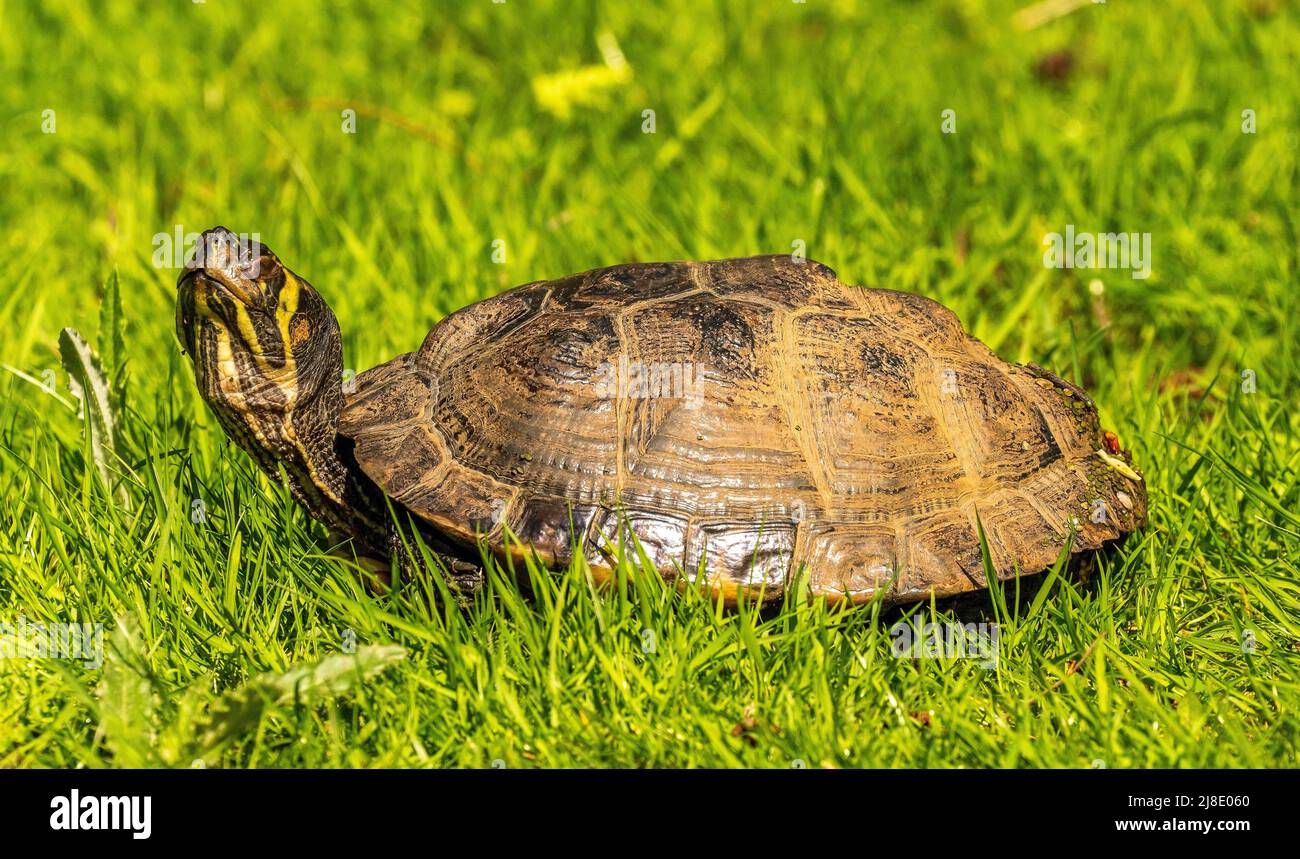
pixel 749 421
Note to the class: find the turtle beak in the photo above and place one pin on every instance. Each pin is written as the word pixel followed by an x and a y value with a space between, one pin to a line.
pixel 200 280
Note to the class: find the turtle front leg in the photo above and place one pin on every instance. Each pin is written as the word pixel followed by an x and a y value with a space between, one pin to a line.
pixel 464 578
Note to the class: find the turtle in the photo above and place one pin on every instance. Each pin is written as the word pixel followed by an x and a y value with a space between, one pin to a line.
pixel 754 427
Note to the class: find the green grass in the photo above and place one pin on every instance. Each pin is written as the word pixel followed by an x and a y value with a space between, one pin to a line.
pixel 776 123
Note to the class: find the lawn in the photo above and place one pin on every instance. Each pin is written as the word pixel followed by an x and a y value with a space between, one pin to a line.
pixel 409 160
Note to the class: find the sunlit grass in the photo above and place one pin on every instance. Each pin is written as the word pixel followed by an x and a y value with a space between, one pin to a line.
pixel 775 123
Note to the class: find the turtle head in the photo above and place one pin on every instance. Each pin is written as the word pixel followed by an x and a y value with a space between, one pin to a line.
pixel 240 267
pixel 262 339
pixel 268 359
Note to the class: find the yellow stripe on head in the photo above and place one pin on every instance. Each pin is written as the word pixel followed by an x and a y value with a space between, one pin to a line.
pixel 284 313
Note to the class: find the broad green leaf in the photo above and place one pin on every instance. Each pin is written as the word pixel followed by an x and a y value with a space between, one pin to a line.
pixel 90 386
pixel 126 708
pixel 112 338
pixel 240 710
